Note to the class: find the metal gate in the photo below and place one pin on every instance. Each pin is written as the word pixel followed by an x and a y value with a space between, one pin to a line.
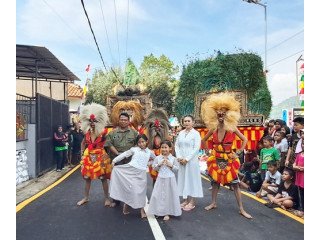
pixel 50 113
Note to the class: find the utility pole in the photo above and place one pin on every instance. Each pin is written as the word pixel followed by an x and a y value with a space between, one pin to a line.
pixel 265 31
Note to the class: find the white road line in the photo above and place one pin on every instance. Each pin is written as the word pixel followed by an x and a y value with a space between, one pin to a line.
pixel 155 227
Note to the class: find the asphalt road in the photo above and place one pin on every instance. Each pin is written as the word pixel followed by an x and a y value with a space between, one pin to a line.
pixel 55 215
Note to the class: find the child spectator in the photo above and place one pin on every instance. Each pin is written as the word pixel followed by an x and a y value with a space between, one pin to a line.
pixel 287 196
pixel 165 200
pixel 271 182
pixel 267 154
pixel 281 144
pixel 251 180
pixel 129 181
pixel 298 124
pixel 298 166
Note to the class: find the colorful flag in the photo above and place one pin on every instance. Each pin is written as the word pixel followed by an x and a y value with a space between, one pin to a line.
pixel 88 68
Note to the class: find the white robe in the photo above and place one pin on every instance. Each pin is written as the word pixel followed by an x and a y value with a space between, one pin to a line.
pixel 189 178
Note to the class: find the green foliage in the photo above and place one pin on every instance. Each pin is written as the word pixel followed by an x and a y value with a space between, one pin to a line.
pixel 162 97
pixel 102 84
pixel 131 74
pixel 241 71
pixel 157 75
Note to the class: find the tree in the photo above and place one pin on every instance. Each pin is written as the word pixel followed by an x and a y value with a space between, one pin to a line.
pixel 241 71
pixel 103 84
pixel 158 76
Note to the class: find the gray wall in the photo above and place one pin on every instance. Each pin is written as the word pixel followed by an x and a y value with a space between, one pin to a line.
pixel 30 146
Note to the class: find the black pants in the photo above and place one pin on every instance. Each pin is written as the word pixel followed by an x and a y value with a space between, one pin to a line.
pixel 61 158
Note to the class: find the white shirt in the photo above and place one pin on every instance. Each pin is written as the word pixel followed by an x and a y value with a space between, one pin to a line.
pixel 140 157
pixel 163 170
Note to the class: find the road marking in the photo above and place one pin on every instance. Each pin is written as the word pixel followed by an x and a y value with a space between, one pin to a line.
pixel 34 197
pixel 154 225
pixel 300 220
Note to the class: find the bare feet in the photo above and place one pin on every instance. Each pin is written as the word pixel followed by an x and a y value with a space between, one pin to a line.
pixel 113 204
pixel 166 218
pixel 125 209
pixel 107 203
pixel 83 201
pixel 258 195
pixel 184 204
pixel 143 213
pixel 245 214
pixel 211 206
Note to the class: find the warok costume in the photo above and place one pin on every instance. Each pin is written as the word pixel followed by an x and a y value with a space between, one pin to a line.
pixel 157 129
pixel 222 166
pixel 95 161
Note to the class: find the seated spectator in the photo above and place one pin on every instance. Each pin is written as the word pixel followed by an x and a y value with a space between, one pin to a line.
pixel 271 182
pixel 251 180
pixel 287 195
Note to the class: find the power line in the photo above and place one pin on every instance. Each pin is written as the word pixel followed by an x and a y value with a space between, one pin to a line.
pixel 284 40
pixel 115 16
pixel 105 27
pixel 95 40
pixel 127 31
pixel 98 45
pixel 68 25
pixel 285 58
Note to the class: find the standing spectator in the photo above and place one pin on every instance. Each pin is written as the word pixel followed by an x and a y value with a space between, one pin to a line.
pixel 298 166
pixel 287 194
pixel 70 143
pixel 272 180
pixel 189 178
pixel 164 200
pixel 298 124
pixel 119 140
pixel 281 144
pixel 60 147
pixel 267 154
pixel 77 136
pixel 269 130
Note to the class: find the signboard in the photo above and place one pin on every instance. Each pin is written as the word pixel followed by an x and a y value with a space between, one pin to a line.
pixel 297 112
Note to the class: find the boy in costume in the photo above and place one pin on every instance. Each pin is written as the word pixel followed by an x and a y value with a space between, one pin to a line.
pixel 95 163
pixel 221 113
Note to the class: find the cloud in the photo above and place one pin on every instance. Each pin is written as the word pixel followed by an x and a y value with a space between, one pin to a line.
pixel 282 86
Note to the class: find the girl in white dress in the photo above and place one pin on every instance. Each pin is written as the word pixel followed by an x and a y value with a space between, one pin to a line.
pixel 164 200
pixel 128 182
pixel 189 178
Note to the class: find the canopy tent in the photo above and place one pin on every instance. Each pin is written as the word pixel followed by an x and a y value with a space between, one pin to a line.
pixel 39 64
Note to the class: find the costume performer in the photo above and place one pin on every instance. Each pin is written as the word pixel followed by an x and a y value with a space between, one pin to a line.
pixel 157 130
pixel 95 163
pixel 221 113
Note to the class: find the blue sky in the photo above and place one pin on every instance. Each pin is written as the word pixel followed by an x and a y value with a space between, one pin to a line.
pixel 177 29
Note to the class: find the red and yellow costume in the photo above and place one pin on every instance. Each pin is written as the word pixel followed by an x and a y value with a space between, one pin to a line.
pixel 222 166
pixel 95 161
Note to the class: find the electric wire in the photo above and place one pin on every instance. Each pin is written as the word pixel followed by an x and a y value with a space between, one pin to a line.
pixel 127 30
pixel 105 28
pixel 115 16
pixel 95 40
pixel 69 26
pixel 285 58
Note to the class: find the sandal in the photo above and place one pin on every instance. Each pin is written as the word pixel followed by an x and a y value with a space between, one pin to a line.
pixel 188 207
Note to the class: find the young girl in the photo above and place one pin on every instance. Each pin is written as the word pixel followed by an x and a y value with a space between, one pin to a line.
pixel 287 196
pixel 164 200
pixel 298 166
pixel 129 181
